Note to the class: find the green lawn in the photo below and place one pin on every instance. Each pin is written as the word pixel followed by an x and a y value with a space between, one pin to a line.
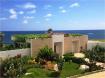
pixel 69 69
pixel 36 73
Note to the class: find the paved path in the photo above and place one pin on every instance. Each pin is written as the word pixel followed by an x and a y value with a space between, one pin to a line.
pixel 95 75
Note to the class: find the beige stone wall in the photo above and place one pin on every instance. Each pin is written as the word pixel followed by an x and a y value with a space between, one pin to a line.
pixel 84 41
pixel 81 42
pixel 36 44
pixel 67 43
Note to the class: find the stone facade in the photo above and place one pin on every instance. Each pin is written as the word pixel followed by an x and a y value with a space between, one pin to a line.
pixel 60 44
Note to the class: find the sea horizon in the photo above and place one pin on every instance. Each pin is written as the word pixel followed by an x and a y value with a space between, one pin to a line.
pixel 92 34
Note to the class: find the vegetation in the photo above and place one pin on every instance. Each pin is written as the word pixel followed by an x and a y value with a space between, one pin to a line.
pixel 70 69
pixel 42 65
pixel 36 72
pixel 14 46
pixel 96 54
pixel 20 40
pixel 23 37
pixel 14 67
pixel 1 39
pixel 46 54
pixel 68 57
pixel 74 35
pixel 101 40
pixel 49 30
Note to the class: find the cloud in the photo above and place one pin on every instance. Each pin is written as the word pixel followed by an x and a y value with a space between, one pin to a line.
pixel 13 14
pixel 63 11
pixel 28 5
pixel 47 6
pixel 12 11
pixel 21 12
pixel 75 5
pixel 29 17
pixel 48 15
pixel 3 18
pixel 37 22
pixel 25 22
pixel 32 11
pixel 47 19
pixel 61 7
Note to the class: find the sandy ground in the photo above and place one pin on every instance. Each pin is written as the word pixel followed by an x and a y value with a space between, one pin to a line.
pixel 95 75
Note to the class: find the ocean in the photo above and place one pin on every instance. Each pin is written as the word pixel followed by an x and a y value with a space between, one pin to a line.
pixel 92 34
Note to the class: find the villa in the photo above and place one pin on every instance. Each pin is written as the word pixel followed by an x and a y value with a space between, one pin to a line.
pixel 60 43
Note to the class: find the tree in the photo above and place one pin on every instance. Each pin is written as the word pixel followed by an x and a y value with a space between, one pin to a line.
pixel 49 30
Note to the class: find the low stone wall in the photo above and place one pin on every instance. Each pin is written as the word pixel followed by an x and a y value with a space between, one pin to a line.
pixel 94 43
pixel 12 53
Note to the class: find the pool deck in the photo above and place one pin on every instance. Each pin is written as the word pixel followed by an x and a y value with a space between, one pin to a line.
pixel 95 75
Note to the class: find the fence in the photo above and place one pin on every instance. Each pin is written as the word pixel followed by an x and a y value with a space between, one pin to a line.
pixel 94 43
pixel 12 53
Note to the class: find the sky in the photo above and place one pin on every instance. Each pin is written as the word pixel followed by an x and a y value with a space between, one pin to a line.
pixel 35 15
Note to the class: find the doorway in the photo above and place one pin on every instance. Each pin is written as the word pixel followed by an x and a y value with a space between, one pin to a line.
pixel 58 48
pixel 75 46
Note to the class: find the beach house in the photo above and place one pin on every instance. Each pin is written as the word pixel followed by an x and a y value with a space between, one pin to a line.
pixel 60 43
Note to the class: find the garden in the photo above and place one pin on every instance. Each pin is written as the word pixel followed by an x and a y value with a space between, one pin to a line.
pixel 49 64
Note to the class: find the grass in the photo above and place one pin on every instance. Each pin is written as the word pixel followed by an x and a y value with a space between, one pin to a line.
pixel 36 73
pixel 70 69
pixel 75 35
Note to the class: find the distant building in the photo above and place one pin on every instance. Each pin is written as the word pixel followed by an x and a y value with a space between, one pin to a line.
pixel 60 44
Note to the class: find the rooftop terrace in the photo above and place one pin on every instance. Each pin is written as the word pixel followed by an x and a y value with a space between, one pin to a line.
pixel 33 36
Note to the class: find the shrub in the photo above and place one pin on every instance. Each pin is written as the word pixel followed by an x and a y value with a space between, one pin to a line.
pixel 46 54
pixel 96 54
pixel 60 64
pixel 54 74
pixel 13 67
pixel 68 56
pixel 93 67
pixel 78 60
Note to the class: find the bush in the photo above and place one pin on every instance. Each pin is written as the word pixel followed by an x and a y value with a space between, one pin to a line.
pixel 96 54
pixel 68 56
pixel 46 54
pixel 60 64
pixel 13 67
pixel 78 60
pixel 93 67
pixel 54 74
